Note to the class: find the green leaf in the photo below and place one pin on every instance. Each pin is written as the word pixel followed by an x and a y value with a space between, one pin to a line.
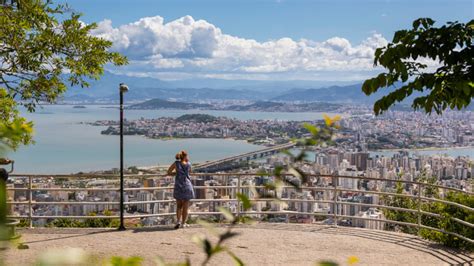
pixel 287 153
pixel 278 170
pixel 311 128
pixel 227 214
pixel 449 45
pixel 227 235
pixel 327 263
pixel 45 40
pixel 207 246
pixel 236 259
pixel 294 172
pixel 246 203
pixel 216 249
pixel 366 87
pixel 208 226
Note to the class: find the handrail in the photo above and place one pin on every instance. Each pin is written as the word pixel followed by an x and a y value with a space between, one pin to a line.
pixel 334 201
pixel 237 175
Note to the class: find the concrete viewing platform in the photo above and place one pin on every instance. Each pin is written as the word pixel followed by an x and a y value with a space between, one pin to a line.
pixel 257 244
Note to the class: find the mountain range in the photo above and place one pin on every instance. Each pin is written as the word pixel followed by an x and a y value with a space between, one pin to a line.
pixel 142 89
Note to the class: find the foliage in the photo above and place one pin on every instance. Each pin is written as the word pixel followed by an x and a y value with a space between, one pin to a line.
pixel 8 132
pixel 428 191
pixel 64 222
pixel 198 118
pixel 446 211
pixel 90 222
pixel 39 44
pixel 318 136
pixel 291 174
pixel 14 130
pixel 3 211
pixel 405 59
pixel 211 249
pixel 101 222
pixel 400 216
pixel 120 261
pixel 446 222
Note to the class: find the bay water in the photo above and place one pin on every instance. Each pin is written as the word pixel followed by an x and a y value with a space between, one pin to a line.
pixel 65 145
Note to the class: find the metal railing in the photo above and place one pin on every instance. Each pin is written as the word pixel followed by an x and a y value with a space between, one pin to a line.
pixel 332 199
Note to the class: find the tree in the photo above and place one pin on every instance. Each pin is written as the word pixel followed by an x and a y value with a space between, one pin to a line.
pixel 42 48
pixel 405 59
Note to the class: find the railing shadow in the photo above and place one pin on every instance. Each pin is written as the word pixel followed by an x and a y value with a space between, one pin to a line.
pixel 160 228
pixel 444 254
pixel 71 233
pixel 447 255
pixel 80 232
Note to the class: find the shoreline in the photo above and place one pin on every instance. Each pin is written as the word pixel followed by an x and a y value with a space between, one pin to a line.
pixel 426 149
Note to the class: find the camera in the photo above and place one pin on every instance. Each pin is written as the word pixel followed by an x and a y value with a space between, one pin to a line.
pixel 3 174
pixel 123 87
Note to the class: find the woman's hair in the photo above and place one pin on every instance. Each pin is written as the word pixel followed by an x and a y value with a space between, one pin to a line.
pixel 181 155
pixel 177 156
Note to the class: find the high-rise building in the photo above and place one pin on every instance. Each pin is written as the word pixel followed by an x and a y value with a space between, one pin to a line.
pixel 360 160
pixel 200 192
pixel 145 207
pixel 149 182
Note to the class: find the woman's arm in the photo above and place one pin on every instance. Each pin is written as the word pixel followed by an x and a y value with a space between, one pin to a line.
pixel 172 169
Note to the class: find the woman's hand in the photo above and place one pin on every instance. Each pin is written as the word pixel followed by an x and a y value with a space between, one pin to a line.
pixel 172 169
pixel 5 161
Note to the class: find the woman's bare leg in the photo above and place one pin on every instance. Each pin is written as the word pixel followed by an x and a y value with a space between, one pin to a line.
pixel 184 215
pixel 179 210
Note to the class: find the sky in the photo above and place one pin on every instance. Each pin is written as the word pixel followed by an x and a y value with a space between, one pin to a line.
pixel 257 40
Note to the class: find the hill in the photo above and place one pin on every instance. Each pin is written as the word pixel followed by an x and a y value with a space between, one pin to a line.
pixel 269 106
pixel 164 104
pixel 199 118
pixel 350 93
pixel 342 94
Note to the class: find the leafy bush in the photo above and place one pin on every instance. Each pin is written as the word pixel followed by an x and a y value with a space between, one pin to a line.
pixel 445 222
pixel 400 216
pixel 91 222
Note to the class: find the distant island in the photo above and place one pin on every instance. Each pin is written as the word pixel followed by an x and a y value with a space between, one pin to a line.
pixel 262 106
pixel 266 132
pixel 79 107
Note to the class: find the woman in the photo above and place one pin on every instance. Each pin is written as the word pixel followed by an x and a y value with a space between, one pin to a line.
pixel 183 188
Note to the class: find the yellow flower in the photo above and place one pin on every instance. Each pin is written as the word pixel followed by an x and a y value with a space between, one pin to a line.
pixel 352 260
pixel 330 121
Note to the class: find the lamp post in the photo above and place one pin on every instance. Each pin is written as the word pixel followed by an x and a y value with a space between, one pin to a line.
pixel 122 88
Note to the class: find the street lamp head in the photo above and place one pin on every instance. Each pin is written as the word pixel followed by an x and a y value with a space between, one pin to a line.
pixel 123 87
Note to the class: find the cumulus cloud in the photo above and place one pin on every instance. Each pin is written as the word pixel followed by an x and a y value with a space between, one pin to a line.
pixel 196 48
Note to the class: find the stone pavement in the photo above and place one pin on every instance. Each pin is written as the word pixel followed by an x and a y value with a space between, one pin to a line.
pixel 257 244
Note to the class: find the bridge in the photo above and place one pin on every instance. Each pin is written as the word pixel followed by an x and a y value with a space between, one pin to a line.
pixel 216 165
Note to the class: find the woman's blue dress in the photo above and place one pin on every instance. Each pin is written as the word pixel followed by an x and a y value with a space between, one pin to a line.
pixel 183 188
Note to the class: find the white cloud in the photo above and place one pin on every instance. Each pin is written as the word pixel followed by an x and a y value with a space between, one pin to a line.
pixel 195 48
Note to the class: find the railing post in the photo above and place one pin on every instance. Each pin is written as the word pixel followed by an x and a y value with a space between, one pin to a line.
pixel 419 205
pixel 334 183
pixel 238 201
pixel 30 199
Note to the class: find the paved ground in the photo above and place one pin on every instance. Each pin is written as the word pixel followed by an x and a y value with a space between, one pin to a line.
pixel 259 244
